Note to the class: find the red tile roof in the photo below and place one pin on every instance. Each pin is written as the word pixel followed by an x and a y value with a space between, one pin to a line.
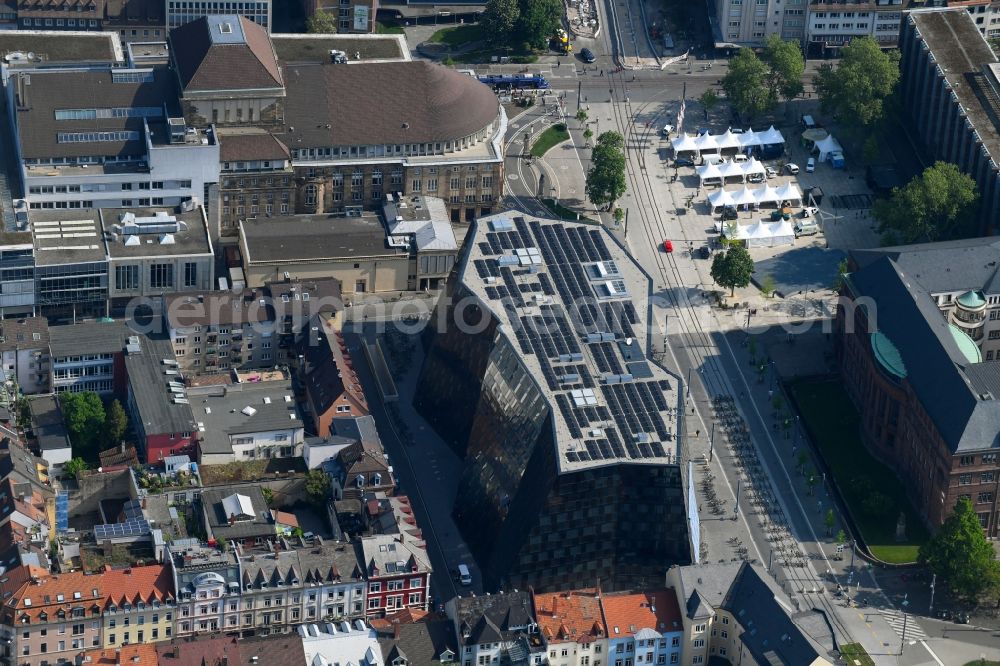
pixel 202 652
pixel 573 616
pixel 407 616
pixel 629 613
pixel 143 655
pixel 38 591
pixel 206 64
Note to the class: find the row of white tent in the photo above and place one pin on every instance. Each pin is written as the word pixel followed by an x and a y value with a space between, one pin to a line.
pixel 761 234
pixel 730 169
pixel 715 142
pixel 761 195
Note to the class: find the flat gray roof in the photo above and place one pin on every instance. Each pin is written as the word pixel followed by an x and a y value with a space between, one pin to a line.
pixel 962 54
pixel 314 237
pixel 575 304
pixel 154 400
pixel 88 338
pixel 67 236
pixel 220 409
pixel 191 237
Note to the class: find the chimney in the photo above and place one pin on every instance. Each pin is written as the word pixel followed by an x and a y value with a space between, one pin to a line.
pixel 395 629
pixel 118 658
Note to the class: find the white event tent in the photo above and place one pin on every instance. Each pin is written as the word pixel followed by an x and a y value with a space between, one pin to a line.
pixel 761 195
pixel 827 146
pixel 762 234
pixel 729 140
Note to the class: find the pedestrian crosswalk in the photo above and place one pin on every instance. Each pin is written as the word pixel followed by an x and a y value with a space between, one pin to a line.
pixel 896 620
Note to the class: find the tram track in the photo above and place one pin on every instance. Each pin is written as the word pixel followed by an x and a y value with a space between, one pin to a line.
pixel 710 368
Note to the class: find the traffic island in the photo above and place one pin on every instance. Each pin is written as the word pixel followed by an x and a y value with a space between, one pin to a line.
pixel 874 496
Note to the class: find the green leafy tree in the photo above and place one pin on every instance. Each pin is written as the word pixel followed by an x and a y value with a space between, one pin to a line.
pixel 539 21
pixel 268 495
pixel 83 414
pixel 732 268
pixel 855 90
pixel 588 134
pixel 841 537
pixel 606 178
pixel 830 521
pixel 960 554
pixel 499 19
pixel 317 487
pixel 321 23
pixel 115 423
pixel 936 205
pixel 746 84
pixel 785 67
pixel 842 267
pixel 768 285
pixel 581 116
pixel 222 543
pixel 709 99
pixel 74 466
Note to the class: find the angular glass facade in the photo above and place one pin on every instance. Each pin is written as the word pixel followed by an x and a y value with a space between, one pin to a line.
pixel 619 524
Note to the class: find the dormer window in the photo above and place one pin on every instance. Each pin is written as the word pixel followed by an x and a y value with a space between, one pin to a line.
pixel 359 480
pixel 399 661
pixel 376 479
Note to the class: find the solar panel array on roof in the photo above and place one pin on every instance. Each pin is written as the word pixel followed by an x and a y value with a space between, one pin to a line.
pixel 620 420
pixel 130 528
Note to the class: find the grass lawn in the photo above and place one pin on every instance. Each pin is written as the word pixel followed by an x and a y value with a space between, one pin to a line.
pixel 383 29
pixel 548 139
pixel 457 35
pixel 854 655
pixel 833 423
pixel 564 213
pixel 983 662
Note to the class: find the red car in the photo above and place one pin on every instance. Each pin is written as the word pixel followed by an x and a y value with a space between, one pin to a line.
pixel 668 246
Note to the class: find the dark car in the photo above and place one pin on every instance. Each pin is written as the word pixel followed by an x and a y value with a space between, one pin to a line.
pixel 706 252
pixel 729 213
pixel 683 161
pixel 587 55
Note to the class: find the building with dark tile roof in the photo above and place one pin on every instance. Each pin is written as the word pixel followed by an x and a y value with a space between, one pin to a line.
pixel 918 343
pixel 426 642
pixel 333 390
pixel 494 627
pixel 736 611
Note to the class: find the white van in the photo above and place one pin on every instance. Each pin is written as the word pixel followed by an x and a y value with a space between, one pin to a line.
pixel 464 577
pixel 806 228
pixel 711 159
pixel 740 157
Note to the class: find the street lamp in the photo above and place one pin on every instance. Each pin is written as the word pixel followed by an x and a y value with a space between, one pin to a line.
pixel 902 639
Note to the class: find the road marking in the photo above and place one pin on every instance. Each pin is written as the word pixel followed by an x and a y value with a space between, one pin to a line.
pixel 512 176
pixel 897 621
pixel 931 652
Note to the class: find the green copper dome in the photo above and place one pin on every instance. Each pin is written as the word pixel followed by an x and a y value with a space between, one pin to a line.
pixel 970 350
pixel 888 355
pixel 971 300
